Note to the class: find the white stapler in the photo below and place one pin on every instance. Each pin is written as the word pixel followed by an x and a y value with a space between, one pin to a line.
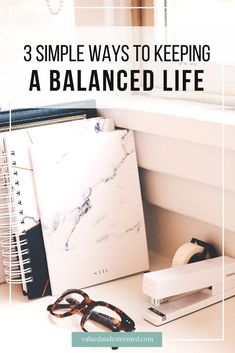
pixel 178 291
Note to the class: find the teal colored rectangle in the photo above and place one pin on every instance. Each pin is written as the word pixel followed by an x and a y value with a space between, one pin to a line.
pixel 116 339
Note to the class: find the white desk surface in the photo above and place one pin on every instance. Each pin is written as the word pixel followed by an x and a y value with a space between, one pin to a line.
pixel 26 326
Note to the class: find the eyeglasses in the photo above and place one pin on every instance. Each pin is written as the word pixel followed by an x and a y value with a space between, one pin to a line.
pixel 75 301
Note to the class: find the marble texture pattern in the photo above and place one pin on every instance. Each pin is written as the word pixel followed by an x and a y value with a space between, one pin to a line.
pixel 90 208
pixel 20 141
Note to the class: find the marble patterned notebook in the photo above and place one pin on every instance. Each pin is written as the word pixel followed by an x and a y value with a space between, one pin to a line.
pixel 91 209
pixel 36 282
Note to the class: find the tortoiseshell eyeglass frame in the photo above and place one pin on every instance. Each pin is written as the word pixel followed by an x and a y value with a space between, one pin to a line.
pixel 86 306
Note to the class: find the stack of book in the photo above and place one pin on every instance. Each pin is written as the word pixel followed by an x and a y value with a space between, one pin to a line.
pixel 70 205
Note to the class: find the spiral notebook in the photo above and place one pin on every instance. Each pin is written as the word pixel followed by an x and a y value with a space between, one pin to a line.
pixel 2 274
pixel 2 181
pixel 24 255
pixel 90 207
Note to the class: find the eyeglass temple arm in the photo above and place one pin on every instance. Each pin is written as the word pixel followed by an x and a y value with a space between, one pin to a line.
pixel 126 324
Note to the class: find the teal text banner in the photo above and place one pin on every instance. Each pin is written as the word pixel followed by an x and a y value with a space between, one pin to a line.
pixel 116 339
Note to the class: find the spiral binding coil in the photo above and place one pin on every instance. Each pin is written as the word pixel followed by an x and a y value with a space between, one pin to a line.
pixel 13 240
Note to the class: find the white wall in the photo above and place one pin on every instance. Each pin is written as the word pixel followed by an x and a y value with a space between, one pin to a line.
pixel 181 171
pixel 167 230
